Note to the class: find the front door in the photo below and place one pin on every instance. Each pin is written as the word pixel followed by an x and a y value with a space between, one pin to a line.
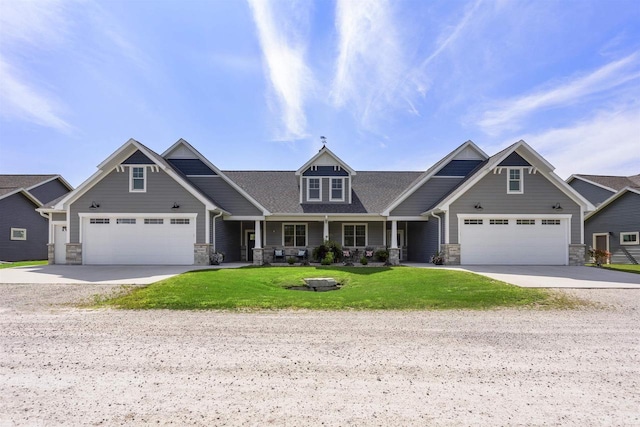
pixel 251 243
pixel 601 241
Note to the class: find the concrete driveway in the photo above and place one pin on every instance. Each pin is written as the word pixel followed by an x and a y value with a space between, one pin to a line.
pixel 557 276
pixel 99 274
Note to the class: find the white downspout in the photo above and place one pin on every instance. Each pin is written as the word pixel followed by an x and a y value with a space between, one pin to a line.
pixel 214 230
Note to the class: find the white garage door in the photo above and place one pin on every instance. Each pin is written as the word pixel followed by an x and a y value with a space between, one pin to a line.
pixel 514 241
pixel 126 239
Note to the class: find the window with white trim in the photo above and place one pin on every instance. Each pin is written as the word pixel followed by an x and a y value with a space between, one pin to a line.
pixel 99 221
pixel 313 189
pixel 294 235
pixel 526 222
pixel 18 234
pixel 180 221
pixel 550 222
pixel 629 238
pixel 514 181
pixel 354 235
pixel 337 189
pixel 498 222
pixel 473 222
pixel 138 179
pixel 153 221
pixel 125 221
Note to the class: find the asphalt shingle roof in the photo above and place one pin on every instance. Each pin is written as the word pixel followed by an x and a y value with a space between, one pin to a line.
pixel 278 191
pixel 615 182
pixel 10 183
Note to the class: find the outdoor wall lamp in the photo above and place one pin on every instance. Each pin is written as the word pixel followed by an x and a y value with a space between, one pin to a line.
pixel 175 206
pixel 94 205
pixel 478 206
pixel 556 207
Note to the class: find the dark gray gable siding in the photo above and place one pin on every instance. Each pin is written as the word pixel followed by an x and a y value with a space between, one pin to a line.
pixel 138 158
pixel 113 196
pixel 514 159
pixel 18 211
pixel 592 193
pixel 191 166
pixel 228 238
pixel 423 240
pixel 49 191
pixel 325 171
pixel 622 215
pixel 225 196
pixel 458 168
pixel 538 198
pixel 424 197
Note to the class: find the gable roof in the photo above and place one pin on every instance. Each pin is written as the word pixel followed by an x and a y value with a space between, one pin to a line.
pixel 183 143
pixel 278 191
pixel 12 184
pixel 608 182
pixel 115 160
pixel 324 151
pixel 429 173
pixel 612 199
pixel 525 151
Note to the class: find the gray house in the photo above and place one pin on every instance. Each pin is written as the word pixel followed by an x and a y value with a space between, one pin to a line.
pixel 24 233
pixel 141 207
pixel 615 224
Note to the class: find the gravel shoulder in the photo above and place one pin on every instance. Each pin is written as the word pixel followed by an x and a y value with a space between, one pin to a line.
pixel 60 365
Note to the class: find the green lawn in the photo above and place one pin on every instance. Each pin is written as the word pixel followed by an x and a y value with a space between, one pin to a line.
pixel 21 264
pixel 629 268
pixel 372 288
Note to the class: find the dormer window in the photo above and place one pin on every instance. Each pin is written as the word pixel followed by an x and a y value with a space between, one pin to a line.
pixel 313 189
pixel 514 181
pixel 337 189
pixel 137 179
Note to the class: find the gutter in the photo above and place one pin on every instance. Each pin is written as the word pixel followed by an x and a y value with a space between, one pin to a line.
pixel 214 230
pixel 439 230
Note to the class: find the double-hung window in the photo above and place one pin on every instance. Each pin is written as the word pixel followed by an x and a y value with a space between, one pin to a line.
pixel 313 189
pixel 337 189
pixel 354 235
pixel 294 235
pixel 137 179
pixel 514 181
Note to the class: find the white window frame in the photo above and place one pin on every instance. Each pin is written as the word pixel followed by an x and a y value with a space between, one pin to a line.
pixel 128 221
pixel 331 198
pixel 153 221
pixel 294 224
pixel 309 199
pixel 519 180
pixel 24 233
pixel 630 233
pixel 355 236
pixel 144 179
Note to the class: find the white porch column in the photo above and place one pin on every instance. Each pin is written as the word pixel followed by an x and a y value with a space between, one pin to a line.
pixel 258 232
pixel 394 234
pixel 325 231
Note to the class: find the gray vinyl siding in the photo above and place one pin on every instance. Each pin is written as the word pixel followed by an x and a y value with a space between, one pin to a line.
pixel 226 196
pixel 592 193
pixel 17 211
pixel 538 198
pixel 424 197
pixel 59 217
pixel 622 215
pixel 423 240
pixel 228 239
pixel 326 189
pixel 49 191
pixel 113 196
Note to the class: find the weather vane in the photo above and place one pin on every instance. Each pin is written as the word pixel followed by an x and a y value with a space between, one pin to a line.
pixel 323 140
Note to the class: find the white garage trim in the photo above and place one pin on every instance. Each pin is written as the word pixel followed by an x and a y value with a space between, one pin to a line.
pixel 128 238
pixel 523 239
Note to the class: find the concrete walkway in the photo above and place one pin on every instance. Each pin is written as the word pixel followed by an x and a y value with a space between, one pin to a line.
pixel 552 276
pixel 100 274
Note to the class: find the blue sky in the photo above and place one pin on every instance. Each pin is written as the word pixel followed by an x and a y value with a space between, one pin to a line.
pixel 393 85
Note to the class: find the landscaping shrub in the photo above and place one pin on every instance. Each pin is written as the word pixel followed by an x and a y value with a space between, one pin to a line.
pixel 291 260
pixel 364 260
pixel 382 255
pixel 328 259
pixel 328 246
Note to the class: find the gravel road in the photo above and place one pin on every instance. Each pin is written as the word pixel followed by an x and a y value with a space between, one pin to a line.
pixel 61 365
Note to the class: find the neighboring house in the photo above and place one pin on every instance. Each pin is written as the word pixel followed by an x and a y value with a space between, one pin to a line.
pixel 24 233
pixel 615 224
pixel 141 207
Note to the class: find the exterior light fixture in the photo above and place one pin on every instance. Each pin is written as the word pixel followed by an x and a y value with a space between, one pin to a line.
pixel 556 207
pixel 175 206
pixel 94 205
pixel 478 206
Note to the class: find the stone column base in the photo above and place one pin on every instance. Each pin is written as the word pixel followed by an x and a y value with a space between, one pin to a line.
pixel 51 253
pixel 258 256
pixel 74 253
pixel 577 254
pixel 450 253
pixel 394 256
pixel 201 254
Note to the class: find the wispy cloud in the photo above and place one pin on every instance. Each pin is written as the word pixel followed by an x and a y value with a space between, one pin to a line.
pixel 509 115
pixel 284 47
pixel 605 144
pixel 24 27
